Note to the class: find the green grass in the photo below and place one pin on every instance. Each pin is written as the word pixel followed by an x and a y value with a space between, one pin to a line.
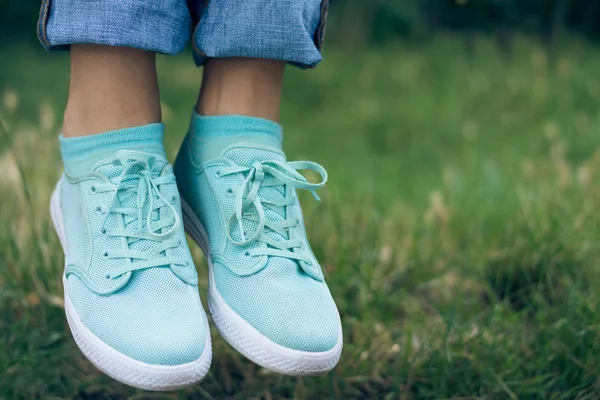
pixel 459 231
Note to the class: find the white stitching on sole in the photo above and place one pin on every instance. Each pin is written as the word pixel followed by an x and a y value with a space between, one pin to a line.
pixel 248 340
pixel 117 365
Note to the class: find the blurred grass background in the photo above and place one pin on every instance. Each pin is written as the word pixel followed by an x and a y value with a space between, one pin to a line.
pixel 458 231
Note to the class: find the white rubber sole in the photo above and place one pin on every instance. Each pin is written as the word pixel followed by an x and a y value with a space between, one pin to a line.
pixel 244 337
pixel 117 365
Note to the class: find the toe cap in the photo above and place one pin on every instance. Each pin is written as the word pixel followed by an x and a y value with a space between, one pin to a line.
pixel 316 333
pixel 163 326
pixel 285 305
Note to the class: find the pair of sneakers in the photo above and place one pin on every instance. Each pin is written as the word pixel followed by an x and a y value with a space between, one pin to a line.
pixel 131 291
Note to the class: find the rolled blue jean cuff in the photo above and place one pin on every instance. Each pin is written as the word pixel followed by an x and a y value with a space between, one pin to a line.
pixel 158 25
pixel 288 30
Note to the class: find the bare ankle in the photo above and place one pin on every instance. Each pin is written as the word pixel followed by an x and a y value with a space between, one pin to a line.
pixel 241 86
pixel 111 88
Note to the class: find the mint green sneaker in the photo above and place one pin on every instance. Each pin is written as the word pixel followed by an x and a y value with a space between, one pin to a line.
pixel 267 296
pixel 131 294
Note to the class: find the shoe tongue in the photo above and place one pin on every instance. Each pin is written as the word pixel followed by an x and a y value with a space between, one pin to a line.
pixel 246 156
pixel 112 170
pixel 130 200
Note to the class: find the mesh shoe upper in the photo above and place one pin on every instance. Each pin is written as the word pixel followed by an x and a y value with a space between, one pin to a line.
pixel 129 272
pixel 278 289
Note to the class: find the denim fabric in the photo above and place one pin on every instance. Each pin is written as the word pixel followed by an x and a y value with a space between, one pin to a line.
pixel 158 25
pixel 290 30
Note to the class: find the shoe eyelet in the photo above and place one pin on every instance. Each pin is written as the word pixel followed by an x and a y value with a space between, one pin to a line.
pixel 105 254
pixel 92 189
pixel 218 173
pixel 173 199
pixel 103 231
pixel 107 276
pixel 297 221
pixel 247 253
pixel 230 191
pixel 99 210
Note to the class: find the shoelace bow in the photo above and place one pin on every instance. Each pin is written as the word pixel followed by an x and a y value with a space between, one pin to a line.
pixel 265 174
pixel 144 185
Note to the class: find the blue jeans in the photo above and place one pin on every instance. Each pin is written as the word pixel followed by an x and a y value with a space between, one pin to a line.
pixel 289 30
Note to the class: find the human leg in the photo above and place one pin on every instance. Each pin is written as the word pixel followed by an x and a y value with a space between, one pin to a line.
pixel 131 294
pixel 267 294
